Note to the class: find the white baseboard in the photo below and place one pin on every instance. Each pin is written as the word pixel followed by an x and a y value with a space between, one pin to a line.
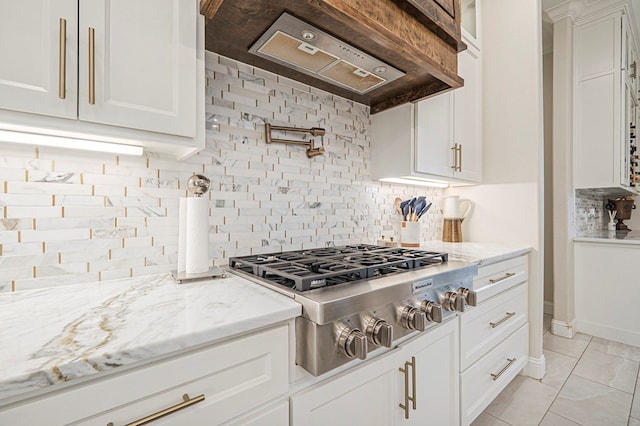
pixel 629 337
pixel 548 308
pixel 563 329
pixel 535 368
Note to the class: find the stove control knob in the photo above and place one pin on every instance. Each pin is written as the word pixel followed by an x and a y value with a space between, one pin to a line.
pixel 452 301
pixel 413 319
pixel 432 310
pixel 470 296
pixel 379 332
pixel 353 343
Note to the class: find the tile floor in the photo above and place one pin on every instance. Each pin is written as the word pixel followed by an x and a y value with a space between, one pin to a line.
pixel 589 381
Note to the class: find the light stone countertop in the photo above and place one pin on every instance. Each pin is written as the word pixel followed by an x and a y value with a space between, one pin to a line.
pixel 56 335
pixel 479 253
pixel 611 237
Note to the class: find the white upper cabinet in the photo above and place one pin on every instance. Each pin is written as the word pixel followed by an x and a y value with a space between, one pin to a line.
pixel 39 64
pixel 437 139
pixel 144 64
pixel 447 127
pixel 605 96
pixel 105 70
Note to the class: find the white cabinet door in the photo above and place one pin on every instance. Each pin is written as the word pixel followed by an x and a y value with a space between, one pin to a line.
pixel 595 284
pixel 424 369
pixel 434 135
pixel 436 388
pixel 145 64
pixel 601 125
pixel 275 415
pixel 31 78
pixel 467 111
pixel 234 377
pixel 451 121
pixel 486 378
pixel 366 395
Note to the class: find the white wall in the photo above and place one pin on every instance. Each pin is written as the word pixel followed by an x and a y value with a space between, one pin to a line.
pixel 509 206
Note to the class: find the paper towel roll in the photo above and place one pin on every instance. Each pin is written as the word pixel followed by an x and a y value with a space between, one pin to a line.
pixel 182 235
pixel 197 241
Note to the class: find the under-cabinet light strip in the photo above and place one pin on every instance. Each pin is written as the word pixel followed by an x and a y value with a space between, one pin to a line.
pixel 66 142
pixel 416 182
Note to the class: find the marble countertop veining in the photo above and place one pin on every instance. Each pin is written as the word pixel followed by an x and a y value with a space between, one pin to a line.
pixel 60 334
pixel 479 253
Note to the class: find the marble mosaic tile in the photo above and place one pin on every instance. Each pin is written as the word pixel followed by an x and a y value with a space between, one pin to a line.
pixel 119 214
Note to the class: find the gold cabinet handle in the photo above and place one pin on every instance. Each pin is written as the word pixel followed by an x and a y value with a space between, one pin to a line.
pixel 459 157
pixel 92 66
pixel 507 275
pixel 413 383
pixel 187 402
pixel 62 59
pixel 408 398
pixel 454 148
pixel 634 66
pixel 405 406
pixel 507 316
pixel 497 375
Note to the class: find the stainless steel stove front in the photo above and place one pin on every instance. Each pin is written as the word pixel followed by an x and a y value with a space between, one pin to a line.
pixel 334 333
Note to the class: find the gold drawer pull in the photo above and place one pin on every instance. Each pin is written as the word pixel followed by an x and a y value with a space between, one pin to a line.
pixel 496 376
pixel 508 315
pixel 155 416
pixel 62 60
pixel 507 275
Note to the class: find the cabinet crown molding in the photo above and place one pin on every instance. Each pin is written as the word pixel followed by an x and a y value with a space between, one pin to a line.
pixel 568 9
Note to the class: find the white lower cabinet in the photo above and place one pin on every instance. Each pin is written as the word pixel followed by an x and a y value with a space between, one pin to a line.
pixel 420 375
pixel 494 336
pixel 276 414
pixel 219 384
pixel 482 329
pixel 608 272
pixel 485 379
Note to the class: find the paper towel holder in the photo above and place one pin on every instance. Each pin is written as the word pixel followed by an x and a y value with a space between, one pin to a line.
pixel 198 185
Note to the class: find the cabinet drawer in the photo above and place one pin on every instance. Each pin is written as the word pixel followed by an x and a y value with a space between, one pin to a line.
pixel 491 322
pixel 234 377
pixel 484 380
pixel 496 278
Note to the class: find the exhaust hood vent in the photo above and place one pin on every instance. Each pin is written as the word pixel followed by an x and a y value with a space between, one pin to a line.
pixel 296 44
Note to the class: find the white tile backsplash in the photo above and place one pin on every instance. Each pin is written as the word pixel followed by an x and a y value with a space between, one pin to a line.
pixel 69 216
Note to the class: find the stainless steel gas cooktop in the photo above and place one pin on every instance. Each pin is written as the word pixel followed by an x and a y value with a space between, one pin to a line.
pixel 324 267
pixel 358 298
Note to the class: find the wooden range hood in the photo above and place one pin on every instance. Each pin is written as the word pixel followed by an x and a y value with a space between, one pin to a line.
pixel 419 37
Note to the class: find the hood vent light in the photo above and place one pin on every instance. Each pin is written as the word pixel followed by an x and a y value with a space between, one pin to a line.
pixel 320 55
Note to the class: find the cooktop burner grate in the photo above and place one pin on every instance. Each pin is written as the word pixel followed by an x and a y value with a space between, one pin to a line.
pixel 310 269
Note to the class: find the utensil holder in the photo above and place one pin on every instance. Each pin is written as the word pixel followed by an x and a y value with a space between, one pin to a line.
pixel 409 234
